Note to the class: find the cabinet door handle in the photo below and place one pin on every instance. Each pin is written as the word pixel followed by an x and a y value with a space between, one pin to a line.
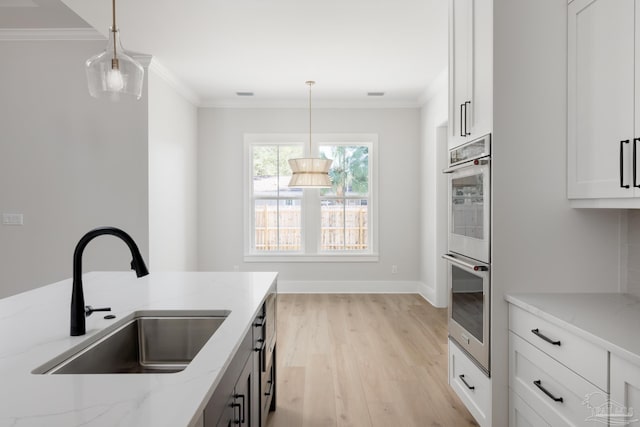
pixel 260 321
pixel 462 131
pixel 466 119
pixel 622 185
pixel 260 345
pixel 268 392
pixel 538 384
pixel 536 332
pixel 635 175
pixel 242 407
pixel 236 420
pixel 470 387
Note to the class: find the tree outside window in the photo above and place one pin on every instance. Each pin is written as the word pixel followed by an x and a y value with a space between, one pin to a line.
pixel 345 206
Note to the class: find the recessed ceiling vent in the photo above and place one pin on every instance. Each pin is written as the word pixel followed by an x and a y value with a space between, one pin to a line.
pixel 375 93
pixel 244 93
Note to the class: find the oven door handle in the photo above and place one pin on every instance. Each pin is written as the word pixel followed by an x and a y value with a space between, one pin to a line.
pixel 476 162
pixel 470 266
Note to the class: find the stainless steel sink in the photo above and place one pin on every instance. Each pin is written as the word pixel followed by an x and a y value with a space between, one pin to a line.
pixel 164 343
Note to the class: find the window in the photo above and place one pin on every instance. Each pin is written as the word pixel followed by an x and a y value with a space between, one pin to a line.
pixel 314 224
pixel 276 208
pixel 344 208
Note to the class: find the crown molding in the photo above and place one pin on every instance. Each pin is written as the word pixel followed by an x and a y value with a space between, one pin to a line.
pixel 253 103
pixel 49 34
pixel 172 80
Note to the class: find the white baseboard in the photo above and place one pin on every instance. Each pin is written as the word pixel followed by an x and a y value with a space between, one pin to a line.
pixel 347 287
pixel 427 293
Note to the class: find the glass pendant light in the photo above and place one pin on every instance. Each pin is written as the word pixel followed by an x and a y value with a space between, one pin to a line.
pixel 310 172
pixel 113 73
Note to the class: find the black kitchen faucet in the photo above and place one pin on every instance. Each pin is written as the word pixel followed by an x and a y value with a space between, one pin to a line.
pixel 78 310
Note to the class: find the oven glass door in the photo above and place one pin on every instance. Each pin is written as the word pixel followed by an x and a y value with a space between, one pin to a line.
pixel 469 300
pixel 469 213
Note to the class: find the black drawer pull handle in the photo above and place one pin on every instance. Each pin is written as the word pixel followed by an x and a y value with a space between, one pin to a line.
pixel 622 185
pixel 470 387
pixel 635 149
pixel 261 321
pixel 538 384
pixel 466 119
pixel 242 407
pixel 236 420
pixel 268 392
pixel 547 339
pixel 260 346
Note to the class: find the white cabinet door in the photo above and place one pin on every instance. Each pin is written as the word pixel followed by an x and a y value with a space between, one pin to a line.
pixel 521 414
pixel 601 98
pixel 480 111
pixel 470 70
pixel 460 69
pixel 625 392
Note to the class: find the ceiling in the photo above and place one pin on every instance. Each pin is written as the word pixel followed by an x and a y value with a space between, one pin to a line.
pixel 271 47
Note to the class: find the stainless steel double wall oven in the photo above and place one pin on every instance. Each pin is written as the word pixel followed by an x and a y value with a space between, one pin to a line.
pixel 469 254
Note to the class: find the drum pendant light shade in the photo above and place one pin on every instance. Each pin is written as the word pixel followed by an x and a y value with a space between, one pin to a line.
pixel 310 172
pixel 113 73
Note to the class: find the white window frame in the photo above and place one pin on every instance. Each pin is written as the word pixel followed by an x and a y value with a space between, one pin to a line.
pixel 311 201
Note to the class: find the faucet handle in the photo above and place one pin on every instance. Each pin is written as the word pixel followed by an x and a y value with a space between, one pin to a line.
pixel 88 310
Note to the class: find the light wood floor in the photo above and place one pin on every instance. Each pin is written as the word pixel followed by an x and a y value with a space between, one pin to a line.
pixel 363 360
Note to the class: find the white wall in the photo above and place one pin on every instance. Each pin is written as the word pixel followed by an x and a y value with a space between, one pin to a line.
pixel 68 162
pixel 540 244
pixel 173 144
pixel 433 188
pixel 220 177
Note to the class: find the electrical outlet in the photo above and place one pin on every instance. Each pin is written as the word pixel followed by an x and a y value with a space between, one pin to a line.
pixel 394 269
pixel 236 268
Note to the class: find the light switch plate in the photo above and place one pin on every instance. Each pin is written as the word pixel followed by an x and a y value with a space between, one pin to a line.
pixel 12 219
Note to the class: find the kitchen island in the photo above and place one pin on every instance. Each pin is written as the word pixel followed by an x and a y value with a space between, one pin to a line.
pixel 34 329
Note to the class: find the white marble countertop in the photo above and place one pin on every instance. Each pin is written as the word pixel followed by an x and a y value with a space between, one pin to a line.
pixel 611 321
pixel 34 328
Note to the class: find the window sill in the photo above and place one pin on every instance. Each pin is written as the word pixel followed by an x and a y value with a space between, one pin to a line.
pixel 312 258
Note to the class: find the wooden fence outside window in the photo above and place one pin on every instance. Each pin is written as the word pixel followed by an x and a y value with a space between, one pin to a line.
pixel 343 228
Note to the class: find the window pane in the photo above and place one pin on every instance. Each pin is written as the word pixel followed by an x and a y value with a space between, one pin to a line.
pixel 290 236
pixel 332 228
pixel 265 170
pixel 350 169
pixel 271 172
pixel 277 225
pixel 344 225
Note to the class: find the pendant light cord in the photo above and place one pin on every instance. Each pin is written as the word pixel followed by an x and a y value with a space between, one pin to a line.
pixel 113 28
pixel 310 83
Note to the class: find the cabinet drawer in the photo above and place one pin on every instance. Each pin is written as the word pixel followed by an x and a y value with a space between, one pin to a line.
pixel 521 414
pixel 585 358
pixel 470 384
pixel 552 390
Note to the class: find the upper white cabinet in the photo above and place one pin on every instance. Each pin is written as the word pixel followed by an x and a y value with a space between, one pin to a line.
pixel 603 121
pixel 470 70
